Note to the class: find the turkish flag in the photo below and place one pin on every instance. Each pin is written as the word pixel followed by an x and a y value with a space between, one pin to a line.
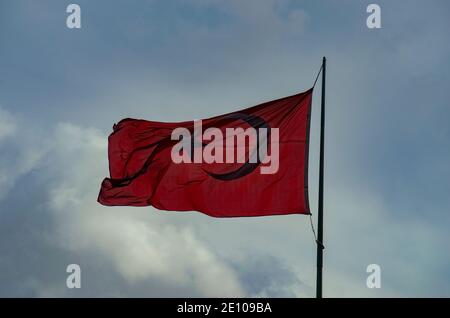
pixel 202 166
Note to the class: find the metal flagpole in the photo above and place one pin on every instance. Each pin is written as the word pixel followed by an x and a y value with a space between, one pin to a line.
pixel 320 246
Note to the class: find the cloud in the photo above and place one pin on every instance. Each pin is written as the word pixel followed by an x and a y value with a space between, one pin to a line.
pixel 263 275
pixel 7 124
pixel 21 147
pixel 138 246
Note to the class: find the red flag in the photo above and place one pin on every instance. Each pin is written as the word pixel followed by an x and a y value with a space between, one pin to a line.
pixel 253 162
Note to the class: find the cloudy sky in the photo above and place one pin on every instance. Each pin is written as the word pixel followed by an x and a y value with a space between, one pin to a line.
pixel 387 145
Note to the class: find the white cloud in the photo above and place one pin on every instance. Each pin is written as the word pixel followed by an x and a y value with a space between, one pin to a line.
pixel 8 124
pixel 21 150
pixel 138 245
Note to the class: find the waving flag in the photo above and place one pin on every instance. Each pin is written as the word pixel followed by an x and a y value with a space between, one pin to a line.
pixel 252 162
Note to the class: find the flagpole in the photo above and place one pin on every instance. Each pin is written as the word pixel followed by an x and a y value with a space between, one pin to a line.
pixel 319 242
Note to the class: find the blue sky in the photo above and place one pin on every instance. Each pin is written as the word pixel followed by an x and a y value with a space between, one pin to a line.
pixel 387 153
